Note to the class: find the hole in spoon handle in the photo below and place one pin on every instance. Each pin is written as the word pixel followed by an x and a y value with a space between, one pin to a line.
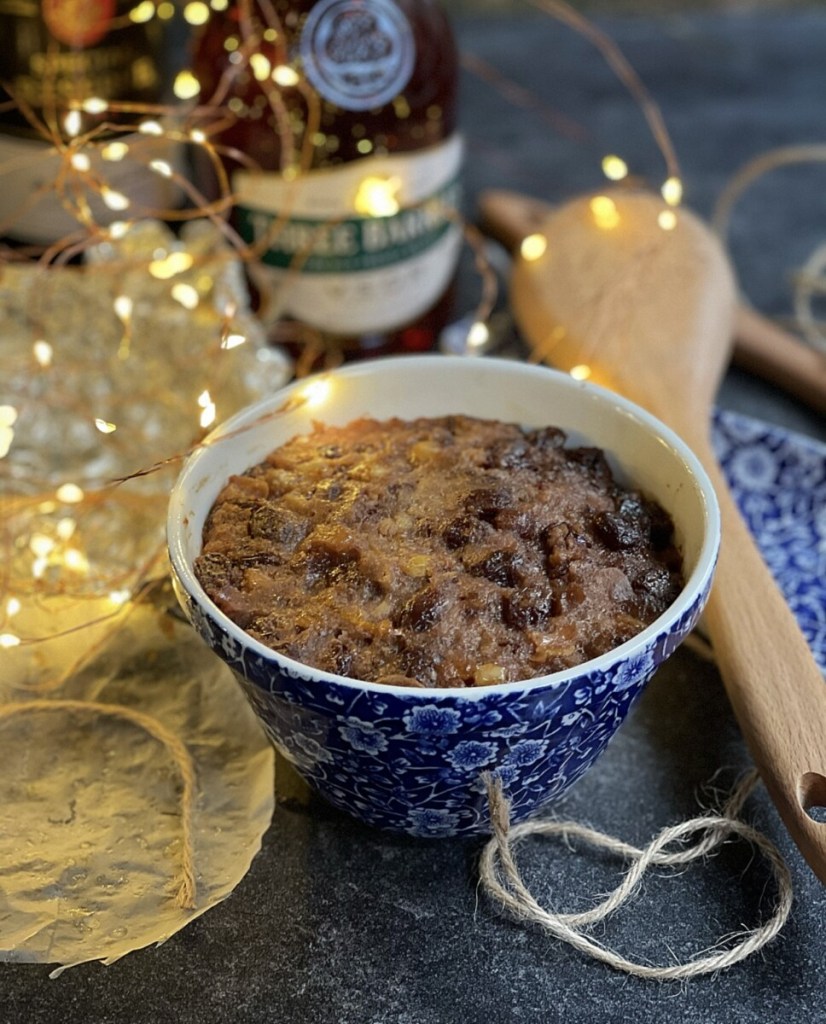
pixel 812 793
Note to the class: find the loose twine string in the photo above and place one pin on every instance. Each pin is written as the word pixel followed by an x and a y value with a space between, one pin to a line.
pixel 500 876
pixel 184 881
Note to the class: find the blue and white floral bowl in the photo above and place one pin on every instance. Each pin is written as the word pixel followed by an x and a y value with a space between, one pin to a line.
pixel 415 760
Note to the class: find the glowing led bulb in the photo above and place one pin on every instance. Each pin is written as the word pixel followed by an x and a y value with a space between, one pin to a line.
pixel 581 371
pixel 208 410
pixel 114 151
pixel 70 494
pixel 169 266
pixel 533 247
pixel 261 66
pixel 43 353
pixel 605 212
pixel 76 561
pixel 667 220
pixel 150 128
pixel 378 197
pixel 66 528
pixel 73 122
pixel 672 191
pixel 123 307
pixel 186 295
pixel 478 335
pixel 196 13
pixel 9 640
pixel 80 161
pixel 161 167
pixel 41 545
pixel 8 417
pixel 285 76
pixel 233 341
pixel 145 11
pixel 186 85
pixel 614 167
pixel 94 105
pixel 114 200
pixel 317 392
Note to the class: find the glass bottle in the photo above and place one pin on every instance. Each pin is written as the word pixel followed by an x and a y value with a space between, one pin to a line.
pixel 347 109
pixel 63 63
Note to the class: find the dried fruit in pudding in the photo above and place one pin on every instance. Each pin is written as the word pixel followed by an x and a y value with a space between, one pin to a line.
pixel 448 551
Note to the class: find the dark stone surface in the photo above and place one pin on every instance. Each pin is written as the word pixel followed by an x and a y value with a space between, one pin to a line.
pixel 336 924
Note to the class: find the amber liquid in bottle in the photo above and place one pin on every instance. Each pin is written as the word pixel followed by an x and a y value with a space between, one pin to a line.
pixel 348 107
pixel 60 59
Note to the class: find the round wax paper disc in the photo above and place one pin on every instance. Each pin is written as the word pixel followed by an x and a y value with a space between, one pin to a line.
pixel 145 784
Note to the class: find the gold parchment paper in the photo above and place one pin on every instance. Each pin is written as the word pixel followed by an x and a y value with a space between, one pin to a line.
pixel 91 834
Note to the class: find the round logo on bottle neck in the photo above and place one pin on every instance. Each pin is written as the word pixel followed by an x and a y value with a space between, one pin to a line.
pixel 358 54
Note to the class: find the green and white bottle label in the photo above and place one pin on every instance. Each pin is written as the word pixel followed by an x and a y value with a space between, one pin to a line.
pixel 361 248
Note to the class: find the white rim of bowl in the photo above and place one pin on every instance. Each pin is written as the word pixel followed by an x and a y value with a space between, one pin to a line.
pixel 693 587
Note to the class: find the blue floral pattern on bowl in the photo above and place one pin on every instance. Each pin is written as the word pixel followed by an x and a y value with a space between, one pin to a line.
pixel 403 761
pixel 415 760
pixel 400 761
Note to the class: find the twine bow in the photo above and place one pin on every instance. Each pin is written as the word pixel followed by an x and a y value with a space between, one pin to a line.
pixel 500 876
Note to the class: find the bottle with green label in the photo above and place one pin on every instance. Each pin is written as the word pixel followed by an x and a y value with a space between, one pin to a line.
pixel 344 159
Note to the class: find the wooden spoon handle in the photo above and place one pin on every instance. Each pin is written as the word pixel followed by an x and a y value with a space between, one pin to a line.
pixel 766 350
pixel 760 346
pixel 776 690
pixel 652 317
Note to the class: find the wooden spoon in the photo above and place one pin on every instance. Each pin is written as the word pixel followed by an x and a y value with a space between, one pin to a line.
pixel 650 311
pixel 760 346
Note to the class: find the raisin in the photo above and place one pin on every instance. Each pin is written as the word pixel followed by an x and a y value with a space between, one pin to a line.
pixel 614 634
pixel 416 664
pixel 509 454
pixel 661 528
pixel 632 506
pixel 269 522
pixel 527 608
pixel 593 461
pixel 215 570
pixel 463 530
pixel 517 521
pixel 617 532
pixel 487 501
pixel 422 611
pixel 500 567
pixel 325 559
pixel 547 438
pixel 656 589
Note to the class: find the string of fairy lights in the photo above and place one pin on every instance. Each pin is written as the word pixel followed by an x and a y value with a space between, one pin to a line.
pixel 90 138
